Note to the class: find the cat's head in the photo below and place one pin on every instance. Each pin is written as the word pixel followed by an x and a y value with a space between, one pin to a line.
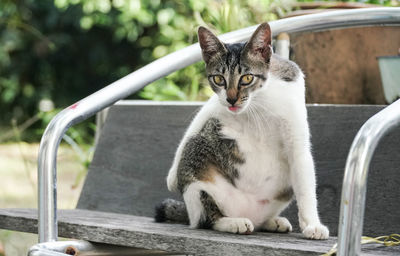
pixel 236 72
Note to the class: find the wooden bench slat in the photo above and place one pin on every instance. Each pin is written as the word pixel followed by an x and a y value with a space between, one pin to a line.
pixel 143 232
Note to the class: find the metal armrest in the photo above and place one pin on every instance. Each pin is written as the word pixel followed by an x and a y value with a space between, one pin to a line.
pixel 355 177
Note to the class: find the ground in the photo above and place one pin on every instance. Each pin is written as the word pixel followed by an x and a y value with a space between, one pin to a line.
pixel 18 187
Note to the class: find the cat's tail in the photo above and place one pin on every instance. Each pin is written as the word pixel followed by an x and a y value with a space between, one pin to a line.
pixel 171 210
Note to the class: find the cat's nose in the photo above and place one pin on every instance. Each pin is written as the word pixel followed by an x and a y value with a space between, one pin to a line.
pixel 231 101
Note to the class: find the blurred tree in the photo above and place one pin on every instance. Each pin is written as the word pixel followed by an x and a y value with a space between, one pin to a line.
pixel 64 50
pixel 45 53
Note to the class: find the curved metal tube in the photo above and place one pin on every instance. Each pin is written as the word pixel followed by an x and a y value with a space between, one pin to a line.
pixel 160 68
pixel 355 178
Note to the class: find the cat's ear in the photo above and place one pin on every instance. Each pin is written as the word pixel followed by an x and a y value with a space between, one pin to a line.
pixel 259 45
pixel 210 44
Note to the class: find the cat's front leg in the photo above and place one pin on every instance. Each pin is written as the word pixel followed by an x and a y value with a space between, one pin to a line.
pixel 303 182
pixel 202 116
pixel 302 175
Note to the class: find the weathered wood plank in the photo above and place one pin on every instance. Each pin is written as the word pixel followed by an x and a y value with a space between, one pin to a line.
pixel 143 232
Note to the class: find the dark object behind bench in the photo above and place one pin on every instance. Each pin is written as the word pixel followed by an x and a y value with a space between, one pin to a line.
pixel 138 143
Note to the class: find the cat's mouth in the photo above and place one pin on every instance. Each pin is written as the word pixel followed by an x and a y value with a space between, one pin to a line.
pixel 234 108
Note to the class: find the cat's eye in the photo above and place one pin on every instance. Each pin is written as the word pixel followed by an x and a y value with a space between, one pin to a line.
pixel 219 80
pixel 246 79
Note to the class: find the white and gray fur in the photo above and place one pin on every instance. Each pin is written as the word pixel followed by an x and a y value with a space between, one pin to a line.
pixel 247 153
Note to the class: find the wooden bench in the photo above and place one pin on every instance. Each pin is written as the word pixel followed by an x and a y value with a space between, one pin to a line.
pixel 126 180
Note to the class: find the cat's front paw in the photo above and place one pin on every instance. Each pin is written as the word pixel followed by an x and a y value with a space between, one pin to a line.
pixel 234 225
pixel 317 232
pixel 278 224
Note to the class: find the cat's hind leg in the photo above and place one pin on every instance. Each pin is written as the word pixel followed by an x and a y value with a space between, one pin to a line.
pixel 215 220
pixel 204 213
pixel 277 224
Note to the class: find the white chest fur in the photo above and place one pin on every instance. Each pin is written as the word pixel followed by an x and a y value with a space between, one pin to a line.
pixel 263 175
pixel 265 169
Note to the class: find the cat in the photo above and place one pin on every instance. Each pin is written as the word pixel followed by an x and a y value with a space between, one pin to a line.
pixel 247 153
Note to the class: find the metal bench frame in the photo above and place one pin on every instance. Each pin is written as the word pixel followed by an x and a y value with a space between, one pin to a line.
pixel 354 185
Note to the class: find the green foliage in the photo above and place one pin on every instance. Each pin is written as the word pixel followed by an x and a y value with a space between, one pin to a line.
pixel 44 53
pixel 64 50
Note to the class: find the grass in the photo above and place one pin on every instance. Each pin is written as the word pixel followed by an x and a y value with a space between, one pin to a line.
pixel 18 187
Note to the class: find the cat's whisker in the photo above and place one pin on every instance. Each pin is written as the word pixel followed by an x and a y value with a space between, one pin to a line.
pixel 265 121
pixel 253 123
pixel 259 121
pixel 264 109
pixel 248 114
